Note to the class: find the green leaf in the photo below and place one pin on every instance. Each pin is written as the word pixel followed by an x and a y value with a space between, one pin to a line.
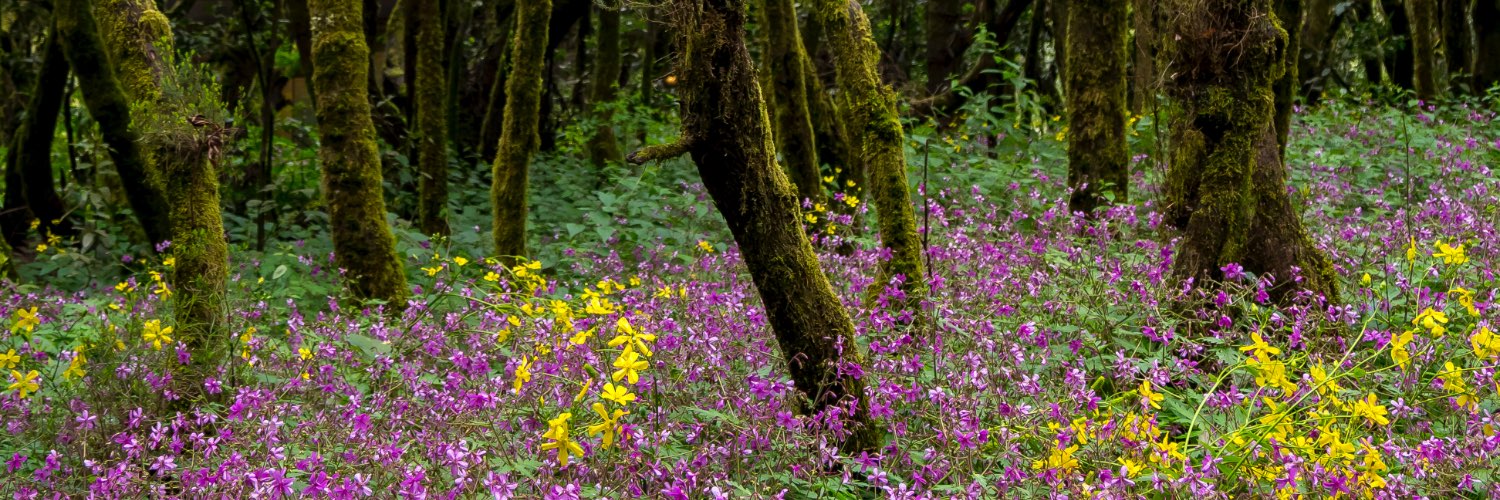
pixel 372 348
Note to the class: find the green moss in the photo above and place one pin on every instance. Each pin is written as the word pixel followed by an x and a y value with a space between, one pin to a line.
pixel 363 245
pixel 429 93
pixel 875 139
pixel 518 136
pixel 794 131
pixel 1098 158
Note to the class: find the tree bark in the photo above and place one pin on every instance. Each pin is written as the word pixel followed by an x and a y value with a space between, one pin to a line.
pixel 1098 158
pixel 726 130
pixel 1458 43
pixel 1424 37
pixel 518 138
pixel 364 247
pixel 489 135
pixel 429 90
pixel 946 41
pixel 794 131
pixel 603 146
pixel 300 28
pixel 876 140
pixel 982 75
pixel 105 97
pixel 1400 61
pixel 1319 25
pixel 1289 13
pixel 1226 187
pixel 1486 65
pixel 34 140
pixel 1144 15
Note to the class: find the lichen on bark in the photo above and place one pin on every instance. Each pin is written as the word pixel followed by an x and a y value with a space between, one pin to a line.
pixel 518 136
pixel 875 137
pixel 363 244
pixel 429 95
pixel 1098 158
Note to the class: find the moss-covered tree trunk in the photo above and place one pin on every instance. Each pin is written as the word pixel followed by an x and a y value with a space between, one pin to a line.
pixel 1144 80
pixel 200 275
pixel 518 137
pixel 1098 158
pixel 1058 13
pixel 1289 13
pixel 794 131
pixel 1486 65
pixel 1226 187
pixel 429 92
pixel 946 41
pixel 494 110
pixel 1458 44
pixel 33 140
pixel 727 131
pixel 1424 38
pixel 875 138
pixel 106 100
pixel 363 245
pixel 603 146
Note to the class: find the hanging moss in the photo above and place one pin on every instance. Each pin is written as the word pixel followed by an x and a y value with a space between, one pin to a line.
pixel 363 245
pixel 108 105
pixel 727 131
pixel 875 138
pixel 1098 158
pixel 1226 187
pixel 518 136
pixel 604 147
pixel 429 93
pixel 794 130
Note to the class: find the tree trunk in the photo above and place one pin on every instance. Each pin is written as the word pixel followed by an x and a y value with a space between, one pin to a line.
pixel 1144 15
pixel 34 140
pixel 876 139
pixel 1226 187
pixel 1424 35
pixel 105 97
pixel 727 132
pixel 364 247
pixel 794 131
pixel 1458 44
pixel 1319 26
pixel 829 135
pixel 1058 11
pixel 1486 65
pixel 1098 158
pixel 946 42
pixel 489 135
pixel 1399 61
pixel 1289 13
pixel 300 27
pixel 603 147
pixel 429 90
pixel 518 138
pixel 984 73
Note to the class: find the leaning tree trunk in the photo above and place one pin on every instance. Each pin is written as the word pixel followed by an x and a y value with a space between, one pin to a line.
pixel 429 91
pixel 34 139
pixel 1289 13
pixel 518 136
pixel 1226 187
pixel 1098 158
pixel 946 41
pixel 1424 35
pixel 105 98
pixel 794 130
pixel 875 139
pixel 603 146
pixel 362 242
pixel 726 130
pixel 1486 63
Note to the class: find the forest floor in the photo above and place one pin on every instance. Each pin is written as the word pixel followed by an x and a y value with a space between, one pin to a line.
pixel 1059 357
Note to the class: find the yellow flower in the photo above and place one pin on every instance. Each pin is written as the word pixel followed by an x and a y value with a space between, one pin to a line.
pixel 582 337
pixel 1153 398
pixel 1486 344
pixel 41 247
pixel 460 261
pixel 665 292
pixel 9 360
pixel 24 384
pixel 1411 250
pixel 599 306
pixel 154 333
pixel 1365 280
pixel 432 271
pixel 25 319
pixel 1132 467
pixel 628 365
pixel 851 200
pixel 491 277
pixel 557 431
pixel 617 393
pixel 1324 384
pixel 523 375
pixel 810 218
pixel 609 425
pixel 1399 354
pixel 1371 411
pixel 1060 459
pixel 1466 299
pixel 1433 321
pixel 35 223
pixel 703 245
pixel 75 367
pixel 629 337
pixel 304 353
pixel 1450 255
pixel 169 261
pixel 1259 348
pixel 122 286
